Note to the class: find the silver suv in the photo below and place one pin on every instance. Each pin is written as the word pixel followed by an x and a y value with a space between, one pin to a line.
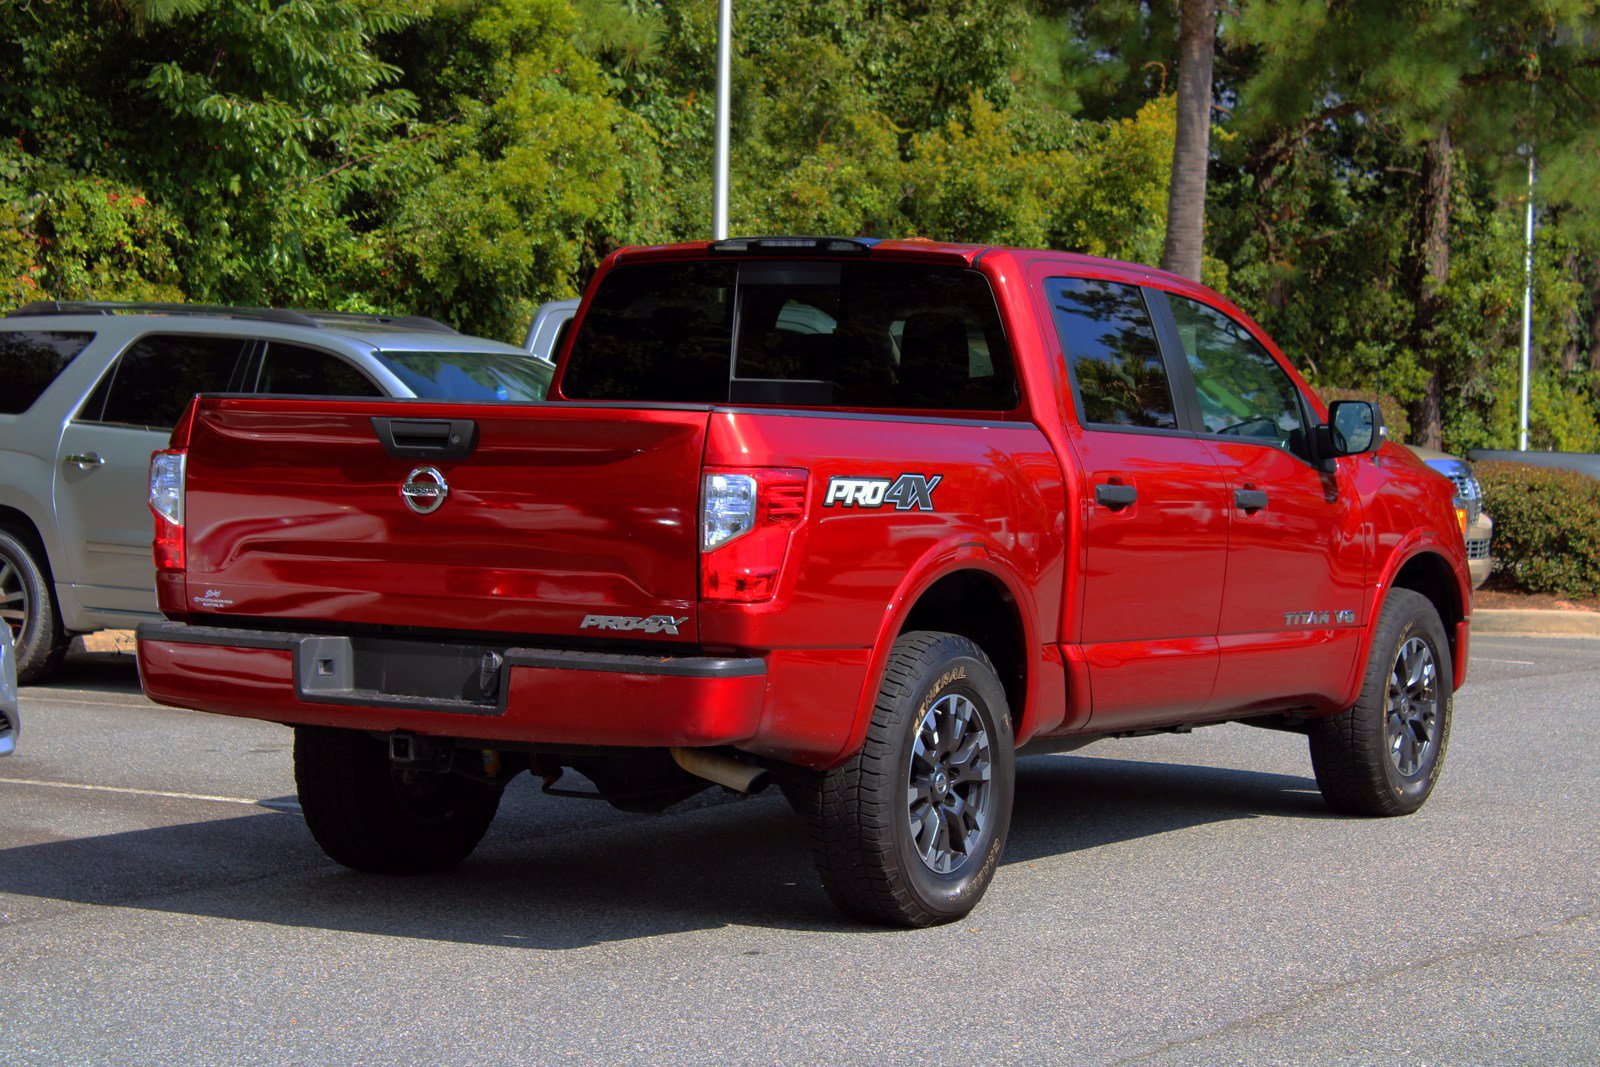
pixel 88 391
pixel 549 328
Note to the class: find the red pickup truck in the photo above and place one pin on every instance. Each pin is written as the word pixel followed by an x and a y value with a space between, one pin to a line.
pixel 864 518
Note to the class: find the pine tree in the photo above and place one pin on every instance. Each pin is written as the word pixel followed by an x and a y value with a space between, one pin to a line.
pixel 1483 80
pixel 1191 151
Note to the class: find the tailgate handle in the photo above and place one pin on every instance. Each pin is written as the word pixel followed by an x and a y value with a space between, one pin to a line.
pixel 426 438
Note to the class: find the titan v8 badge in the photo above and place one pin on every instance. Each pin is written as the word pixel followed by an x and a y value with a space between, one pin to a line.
pixel 906 493
pixel 1318 618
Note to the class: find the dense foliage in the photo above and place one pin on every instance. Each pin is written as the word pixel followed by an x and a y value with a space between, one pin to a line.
pixel 1546 527
pixel 469 158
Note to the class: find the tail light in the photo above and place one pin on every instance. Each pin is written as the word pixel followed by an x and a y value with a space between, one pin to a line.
pixel 747 517
pixel 166 502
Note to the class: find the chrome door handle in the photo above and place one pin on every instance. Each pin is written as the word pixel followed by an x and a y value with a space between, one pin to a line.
pixel 84 460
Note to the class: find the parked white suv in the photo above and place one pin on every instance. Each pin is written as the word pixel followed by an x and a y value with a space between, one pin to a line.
pixel 90 390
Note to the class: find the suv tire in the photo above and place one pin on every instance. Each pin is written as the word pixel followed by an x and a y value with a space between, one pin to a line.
pixel 28 600
pixel 910 829
pixel 371 817
pixel 1383 756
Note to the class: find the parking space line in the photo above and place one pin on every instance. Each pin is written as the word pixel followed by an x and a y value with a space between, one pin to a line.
pixel 274 805
pixel 1518 662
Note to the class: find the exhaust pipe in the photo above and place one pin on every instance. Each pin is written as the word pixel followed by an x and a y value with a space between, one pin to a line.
pixel 723 770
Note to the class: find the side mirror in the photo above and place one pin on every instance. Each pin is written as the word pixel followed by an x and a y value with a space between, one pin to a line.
pixel 1354 427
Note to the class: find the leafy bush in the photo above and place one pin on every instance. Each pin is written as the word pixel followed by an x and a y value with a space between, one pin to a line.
pixel 1546 527
pixel 99 240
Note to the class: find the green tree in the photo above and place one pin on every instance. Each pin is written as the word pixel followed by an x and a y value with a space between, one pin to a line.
pixel 311 151
pixel 1448 78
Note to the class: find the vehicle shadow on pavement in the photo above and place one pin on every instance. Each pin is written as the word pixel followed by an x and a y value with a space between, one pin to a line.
pixel 553 877
pixel 96 672
pixel 1070 803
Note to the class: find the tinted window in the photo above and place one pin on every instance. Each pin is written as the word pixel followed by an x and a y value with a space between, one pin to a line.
pixel 471 375
pixel 1110 345
pixel 656 333
pixel 154 380
pixel 1242 390
pixel 290 368
pixel 30 360
pixel 868 335
pixel 560 339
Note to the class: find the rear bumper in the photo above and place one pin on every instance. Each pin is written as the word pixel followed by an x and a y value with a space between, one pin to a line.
pixel 539 696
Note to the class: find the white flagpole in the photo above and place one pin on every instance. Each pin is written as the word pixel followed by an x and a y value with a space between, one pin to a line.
pixel 719 222
pixel 1527 317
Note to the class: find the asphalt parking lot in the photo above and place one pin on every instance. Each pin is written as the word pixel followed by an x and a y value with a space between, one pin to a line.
pixel 1163 900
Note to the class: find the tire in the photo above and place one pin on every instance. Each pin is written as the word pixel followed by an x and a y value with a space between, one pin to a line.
pixel 1384 755
pixel 371 817
pixel 28 606
pixel 874 862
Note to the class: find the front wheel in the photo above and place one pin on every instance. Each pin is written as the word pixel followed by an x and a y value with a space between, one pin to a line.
pixel 909 831
pixel 370 815
pixel 1384 755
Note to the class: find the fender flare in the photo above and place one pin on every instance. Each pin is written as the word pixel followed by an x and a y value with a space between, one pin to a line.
pixel 957 554
pixel 1415 544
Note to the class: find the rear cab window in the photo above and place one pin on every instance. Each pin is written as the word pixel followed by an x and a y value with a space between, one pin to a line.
pixel 811 333
pixel 30 360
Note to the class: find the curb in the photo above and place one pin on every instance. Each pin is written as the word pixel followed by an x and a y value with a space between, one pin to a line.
pixel 108 641
pixel 1539 623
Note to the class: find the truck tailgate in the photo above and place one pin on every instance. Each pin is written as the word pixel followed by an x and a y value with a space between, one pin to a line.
pixel 560 518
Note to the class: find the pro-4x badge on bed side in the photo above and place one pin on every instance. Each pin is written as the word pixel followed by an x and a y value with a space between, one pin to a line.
pixel 907 492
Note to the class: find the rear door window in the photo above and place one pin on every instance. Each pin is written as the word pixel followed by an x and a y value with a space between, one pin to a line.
pixel 1113 357
pixel 808 334
pixel 156 377
pixel 296 369
pixel 30 360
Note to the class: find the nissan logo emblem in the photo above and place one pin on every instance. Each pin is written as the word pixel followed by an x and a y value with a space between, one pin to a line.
pixel 424 490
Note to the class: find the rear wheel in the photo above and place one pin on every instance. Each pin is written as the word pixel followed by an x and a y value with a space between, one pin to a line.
pixel 910 830
pixel 1384 755
pixel 28 607
pixel 370 815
